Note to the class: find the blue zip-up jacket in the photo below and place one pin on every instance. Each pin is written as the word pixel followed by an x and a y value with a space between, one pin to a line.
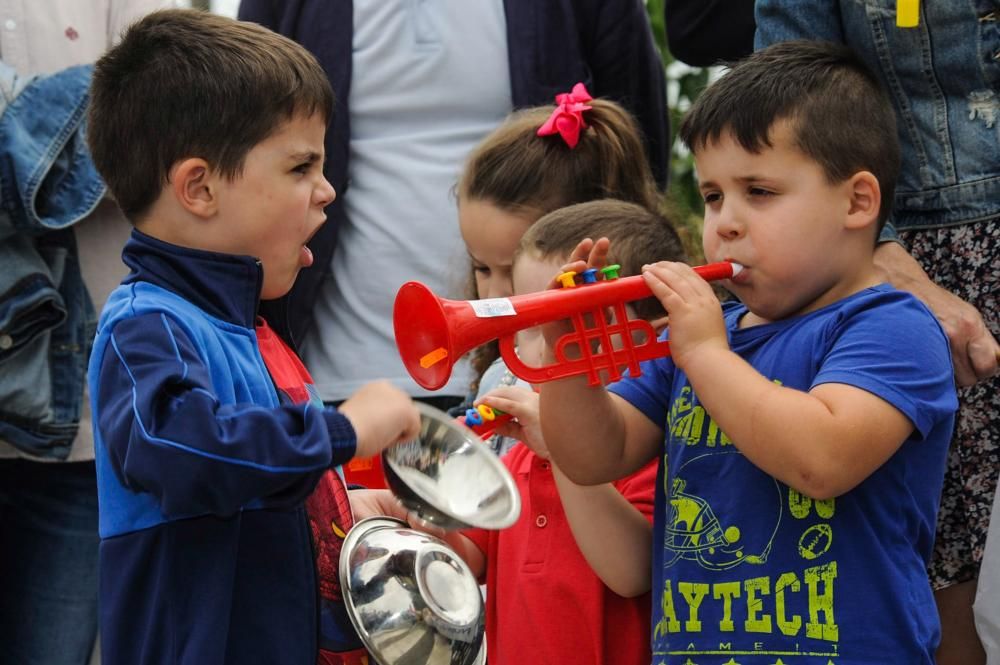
pixel 202 471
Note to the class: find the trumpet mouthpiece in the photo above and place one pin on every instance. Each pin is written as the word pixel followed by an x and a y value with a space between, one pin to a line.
pixel 737 268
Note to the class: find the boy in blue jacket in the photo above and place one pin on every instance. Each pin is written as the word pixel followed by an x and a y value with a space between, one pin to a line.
pixel 209 133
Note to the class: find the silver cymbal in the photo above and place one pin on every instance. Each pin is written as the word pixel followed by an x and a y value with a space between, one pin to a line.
pixel 450 478
pixel 412 600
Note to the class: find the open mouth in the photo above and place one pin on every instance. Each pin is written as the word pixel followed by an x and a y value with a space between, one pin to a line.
pixel 305 254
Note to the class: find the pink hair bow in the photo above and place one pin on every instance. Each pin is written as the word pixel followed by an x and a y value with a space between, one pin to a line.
pixel 567 118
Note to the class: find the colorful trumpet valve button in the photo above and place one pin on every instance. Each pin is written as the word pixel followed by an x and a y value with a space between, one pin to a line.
pixel 486 411
pixel 567 279
pixel 473 418
pixel 434 357
pixel 907 13
pixel 589 276
pixel 611 271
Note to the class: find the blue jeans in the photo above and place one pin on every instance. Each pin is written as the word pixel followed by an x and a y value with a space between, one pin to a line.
pixel 48 562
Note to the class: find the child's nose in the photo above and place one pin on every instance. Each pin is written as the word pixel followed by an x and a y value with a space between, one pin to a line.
pixel 728 225
pixel 325 194
pixel 498 288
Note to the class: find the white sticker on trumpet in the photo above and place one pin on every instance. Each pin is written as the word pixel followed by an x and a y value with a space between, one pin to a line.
pixel 490 307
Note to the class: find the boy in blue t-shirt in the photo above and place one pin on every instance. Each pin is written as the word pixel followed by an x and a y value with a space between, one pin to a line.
pixel 802 448
pixel 214 459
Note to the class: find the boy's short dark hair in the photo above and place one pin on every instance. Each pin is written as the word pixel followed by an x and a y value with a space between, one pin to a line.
pixel 838 111
pixel 186 83
pixel 638 236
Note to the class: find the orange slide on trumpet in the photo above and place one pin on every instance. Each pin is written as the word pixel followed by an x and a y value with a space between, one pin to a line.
pixel 432 333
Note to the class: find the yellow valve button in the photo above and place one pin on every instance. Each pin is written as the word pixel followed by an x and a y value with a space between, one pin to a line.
pixel 567 279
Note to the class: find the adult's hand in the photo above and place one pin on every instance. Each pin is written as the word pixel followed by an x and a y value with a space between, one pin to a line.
pixel 974 350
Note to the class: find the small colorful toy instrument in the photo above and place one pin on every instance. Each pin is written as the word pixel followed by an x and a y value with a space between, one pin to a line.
pixel 484 419
pixel 432 333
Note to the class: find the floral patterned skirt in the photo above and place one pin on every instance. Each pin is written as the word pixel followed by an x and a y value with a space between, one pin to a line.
pixel 966 261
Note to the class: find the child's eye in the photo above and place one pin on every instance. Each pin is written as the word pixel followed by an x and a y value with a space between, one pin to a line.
pixel 303 168
pixel 759 191
pixel 712 197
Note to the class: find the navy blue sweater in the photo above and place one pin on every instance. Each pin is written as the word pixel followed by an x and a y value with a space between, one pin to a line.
pixel 206 552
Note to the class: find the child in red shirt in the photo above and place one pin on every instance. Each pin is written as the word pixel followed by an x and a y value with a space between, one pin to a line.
pixel 550 593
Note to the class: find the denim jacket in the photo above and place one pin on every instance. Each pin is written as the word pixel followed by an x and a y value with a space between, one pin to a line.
pixel 944 80
pixel 47 322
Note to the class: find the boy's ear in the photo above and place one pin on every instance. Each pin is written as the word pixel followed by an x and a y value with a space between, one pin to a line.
pixel 866 200
pixel 193 184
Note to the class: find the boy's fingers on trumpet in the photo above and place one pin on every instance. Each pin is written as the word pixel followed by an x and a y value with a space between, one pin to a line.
pixel 679 279
pixel 587 254
pixel 660 323
pixel 597 254
pixel 582 250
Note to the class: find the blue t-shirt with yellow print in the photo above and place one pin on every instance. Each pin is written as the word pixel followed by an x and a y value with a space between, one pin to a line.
pixel 747 571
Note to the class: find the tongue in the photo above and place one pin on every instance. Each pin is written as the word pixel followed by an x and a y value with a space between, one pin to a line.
pixel 306 256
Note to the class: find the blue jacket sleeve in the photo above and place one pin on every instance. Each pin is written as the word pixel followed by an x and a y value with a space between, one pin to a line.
pixel 167 433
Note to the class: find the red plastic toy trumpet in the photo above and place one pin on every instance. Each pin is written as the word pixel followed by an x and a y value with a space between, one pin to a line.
pixel 432 333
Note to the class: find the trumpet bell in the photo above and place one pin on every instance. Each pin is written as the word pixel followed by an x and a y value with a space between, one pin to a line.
pixel 432 333
pixel 422 334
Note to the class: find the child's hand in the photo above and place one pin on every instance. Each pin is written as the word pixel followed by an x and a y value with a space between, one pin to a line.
pixel 376 503
pixel 523 405
pixel 695 313
pixel 382 415
pixel 587 254
pixel 379 503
